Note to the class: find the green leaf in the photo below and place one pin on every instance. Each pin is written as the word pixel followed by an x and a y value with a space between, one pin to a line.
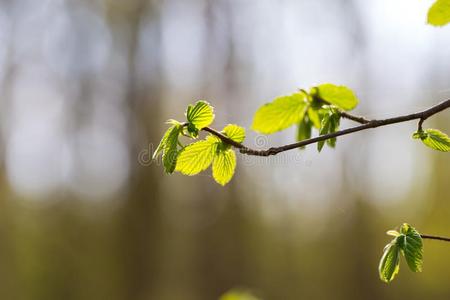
pixel 235 132
pixel 223 166
pixel 304 130
pixel 169 146
pixel 324 128
pixel 434 139
pixel 393 233
pixel 200 115
pixel 334 126
pixel 197 156
pixel 390 262
pixel 280 114
pixel 314 117
pixel 412 247
pixel 408 242
pixel 439 13
pixel 341 96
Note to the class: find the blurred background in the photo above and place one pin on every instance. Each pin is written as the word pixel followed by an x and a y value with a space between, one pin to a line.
pixel 85 88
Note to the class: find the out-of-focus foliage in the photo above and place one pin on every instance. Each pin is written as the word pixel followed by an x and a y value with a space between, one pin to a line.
pixel 236 294
pixel 439 13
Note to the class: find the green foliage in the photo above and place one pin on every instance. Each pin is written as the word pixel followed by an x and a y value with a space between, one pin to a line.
pixel 304 129
pixel 199 116
pixel 224 165
pixel 412 247
pixel 434 139
pixel 329 124
pixel 238 295
pixel 439 13
pixel 320 108
pixel 341 96
pixel 313 115
pixel 407 242
pixel 197 156
pixel 169 146
pixel 280 114
pixel 235 132
pixel 390 262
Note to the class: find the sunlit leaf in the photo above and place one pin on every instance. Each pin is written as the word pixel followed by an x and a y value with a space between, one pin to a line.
pixel 434 139
pixel 314 117
pixel 223 166
pixel 412 247
pixel 304 129
pixel 393 233
pixel 341 96
pixel 280 114
pixel 334 126
pixel 200 115
pixel 197 156
pixel 324 128
pixel 390 262
pixel 408 242
pixel 169 146
pixel 439 13
pixel 235 132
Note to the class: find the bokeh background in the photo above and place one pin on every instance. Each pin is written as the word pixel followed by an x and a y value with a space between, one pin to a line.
pixel 85 88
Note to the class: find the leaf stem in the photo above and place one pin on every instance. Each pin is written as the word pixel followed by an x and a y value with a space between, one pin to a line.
pixel 365 124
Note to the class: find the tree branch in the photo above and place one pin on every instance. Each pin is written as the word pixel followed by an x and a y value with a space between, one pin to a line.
pixel 366 124
pixel 357 119
pixel 434 237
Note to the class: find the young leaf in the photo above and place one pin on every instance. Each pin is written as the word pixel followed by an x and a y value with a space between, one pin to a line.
pixel 280 114
pixel 163 141
pixel 169 146
pixel 390 262
pixel 223 166
pixel 324 129
pixel 314 117
pixel 235 132
pixel 200 115
pixel 341 96
pixel 434 139
pixel 408 242
pixel 439 13
pixel 334 126
pixel 304 130
pixel 197 156
pixel 412 247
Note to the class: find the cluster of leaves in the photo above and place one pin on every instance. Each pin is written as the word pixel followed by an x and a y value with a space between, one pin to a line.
pixel 319 108
pixel 408 243
pixel 439 13
pixel 198 156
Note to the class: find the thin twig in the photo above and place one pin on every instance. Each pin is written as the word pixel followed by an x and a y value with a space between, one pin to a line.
pixel 434 237
pixel 357 119
pixel 366 124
